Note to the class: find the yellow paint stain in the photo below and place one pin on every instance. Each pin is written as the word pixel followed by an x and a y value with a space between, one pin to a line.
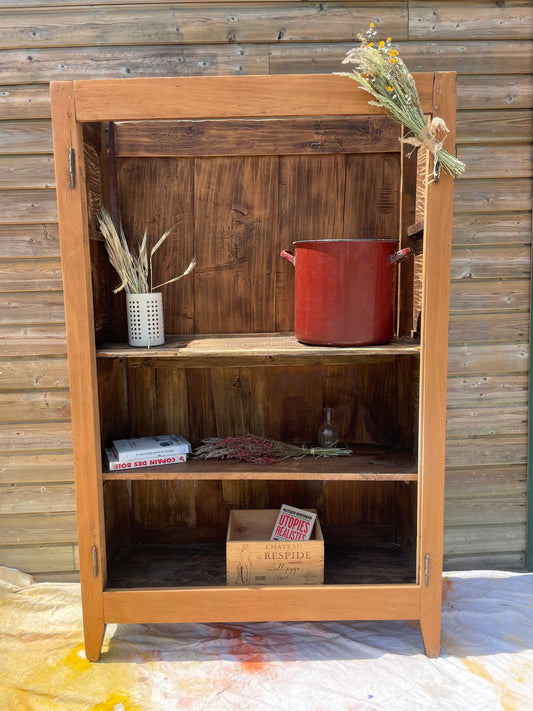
pixel 509 699
pixel 76 659
pixel 117 702
pixel 477 669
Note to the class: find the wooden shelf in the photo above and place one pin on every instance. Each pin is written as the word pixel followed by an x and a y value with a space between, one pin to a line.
pixel 254 348
pixel 203 564
pixel 367 463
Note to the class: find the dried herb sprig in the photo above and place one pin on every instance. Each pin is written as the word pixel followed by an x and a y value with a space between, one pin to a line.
pixel 261 450
pixel 381 72
pixel 135 270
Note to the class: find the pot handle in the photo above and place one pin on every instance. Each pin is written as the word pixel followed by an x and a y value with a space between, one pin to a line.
pixel 400 255
pixel 288 255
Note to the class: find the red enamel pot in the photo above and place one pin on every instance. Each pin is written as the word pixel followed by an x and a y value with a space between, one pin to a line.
pixel 344 290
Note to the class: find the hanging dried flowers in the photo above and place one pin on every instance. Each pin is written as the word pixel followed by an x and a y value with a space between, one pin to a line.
pixel 381 72
pixel 261 450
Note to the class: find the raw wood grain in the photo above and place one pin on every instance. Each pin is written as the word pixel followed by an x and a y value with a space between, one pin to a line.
pixel 488 359
pixel 32 171
pixel 487 161
pixel 485 482
pixel 487 390
pixel 489 295
pixel 504 261
pixel 241 137
pixel 52 466
pixel 235 205
pixel 477 421
pixel 72 63
pixel 491 228
pixel 40 240
pixel 28 206
pixel 499 195
pixel 31 340
pixel 32 307
pixel 39 558
pixel 273 22
pixel 511 91
pixel 29 275
pixel 44 405
pixel 478 19
pixel 29 136
pixel 33 529
pixel 482 451
pixel 502 126
pixel 24 437
pixel 32 499
pixel 24 101
pixel 27 373
pixel 495 326
pixel 471 57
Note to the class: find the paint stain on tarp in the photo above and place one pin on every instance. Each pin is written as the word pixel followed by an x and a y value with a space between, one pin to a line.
pixel 447 588
pixel 117 702
pixel 509 700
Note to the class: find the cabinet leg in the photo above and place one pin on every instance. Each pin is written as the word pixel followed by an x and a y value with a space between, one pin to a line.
pixel 94 636
pixel 430 629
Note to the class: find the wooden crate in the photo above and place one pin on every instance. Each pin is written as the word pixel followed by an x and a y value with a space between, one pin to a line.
pixel 253 559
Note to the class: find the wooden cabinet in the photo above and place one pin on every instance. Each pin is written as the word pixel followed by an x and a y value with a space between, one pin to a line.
pixel 243 167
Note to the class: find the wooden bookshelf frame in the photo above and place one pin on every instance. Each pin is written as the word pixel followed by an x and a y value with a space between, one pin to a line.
pixel 83 102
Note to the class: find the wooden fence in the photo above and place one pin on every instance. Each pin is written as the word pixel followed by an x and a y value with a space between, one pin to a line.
pixel 487 42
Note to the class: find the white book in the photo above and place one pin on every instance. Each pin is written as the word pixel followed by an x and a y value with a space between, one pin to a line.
pixel 293 524
pixel 160 445
pixel 115 464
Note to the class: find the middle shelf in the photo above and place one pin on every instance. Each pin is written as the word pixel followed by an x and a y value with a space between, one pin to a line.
pixel 367 463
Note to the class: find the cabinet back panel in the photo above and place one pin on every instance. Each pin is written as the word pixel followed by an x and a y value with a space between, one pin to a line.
pixel 235 214
pixel 175 511
pixel 284 403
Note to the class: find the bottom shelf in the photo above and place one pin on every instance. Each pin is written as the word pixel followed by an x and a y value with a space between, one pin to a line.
pixel 198 564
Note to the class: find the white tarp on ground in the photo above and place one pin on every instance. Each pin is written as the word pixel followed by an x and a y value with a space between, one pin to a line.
pixel 486 660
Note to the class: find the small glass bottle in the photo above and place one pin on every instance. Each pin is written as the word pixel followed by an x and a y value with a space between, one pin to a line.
pixel 328 434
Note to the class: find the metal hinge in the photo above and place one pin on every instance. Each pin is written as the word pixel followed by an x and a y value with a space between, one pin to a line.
pixel 72 166
pixel 426 569
pixel 95 561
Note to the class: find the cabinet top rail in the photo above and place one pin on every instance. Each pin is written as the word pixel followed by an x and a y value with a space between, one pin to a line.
pixel 264 96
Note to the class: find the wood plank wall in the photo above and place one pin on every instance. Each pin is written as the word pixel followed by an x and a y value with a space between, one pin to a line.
pixel 487 42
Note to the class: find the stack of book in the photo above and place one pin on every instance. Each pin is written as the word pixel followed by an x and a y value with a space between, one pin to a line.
pixel 147 452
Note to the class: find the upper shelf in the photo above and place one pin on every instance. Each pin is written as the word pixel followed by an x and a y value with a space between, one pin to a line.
pixel 254 349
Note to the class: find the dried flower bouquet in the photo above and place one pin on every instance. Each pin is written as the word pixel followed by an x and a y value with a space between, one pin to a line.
pixel 261 450
pixel 135 270
pixel 382 73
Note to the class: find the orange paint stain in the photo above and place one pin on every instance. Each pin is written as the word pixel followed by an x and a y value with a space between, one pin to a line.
pixel 447 588
pixel 254 667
